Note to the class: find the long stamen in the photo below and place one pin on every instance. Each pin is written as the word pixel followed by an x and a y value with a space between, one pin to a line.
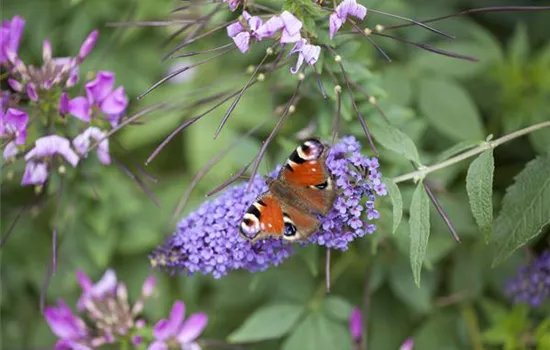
pixel 441 212
pixel 194 53
pixel 412 21
pixel 139 181
pixel 272 135
pixel 378 48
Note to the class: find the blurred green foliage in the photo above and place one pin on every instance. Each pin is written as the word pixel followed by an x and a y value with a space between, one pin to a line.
pixel 105 220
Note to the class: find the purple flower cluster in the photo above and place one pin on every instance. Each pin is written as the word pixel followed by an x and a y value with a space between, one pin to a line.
pixel 532 283
pixel 289 27
pixel 208 240
pixel 109 314
pixel 46 86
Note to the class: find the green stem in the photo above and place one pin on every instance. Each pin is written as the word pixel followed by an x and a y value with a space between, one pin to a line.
pixel 472 326
pixel 422 172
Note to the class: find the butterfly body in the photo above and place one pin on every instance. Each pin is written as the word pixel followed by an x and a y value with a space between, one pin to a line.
pixel 302 191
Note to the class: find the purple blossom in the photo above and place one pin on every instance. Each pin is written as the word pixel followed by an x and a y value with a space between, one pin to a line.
pixel 13 125
pixel 341 13
pixel 356 325
pixel 51 145
pixel 111 102
pixel 36 173
pixel 241 35
pixel 208 239
pixel 70 329
pixel 10 37
pixel 532 283
pixel 306 52
pixel 82 142
pixel 10 150
pixel 291 29
pixel 185 333
pixel 107 284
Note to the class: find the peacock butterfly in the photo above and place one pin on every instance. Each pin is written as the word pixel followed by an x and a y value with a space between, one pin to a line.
pixel 302 190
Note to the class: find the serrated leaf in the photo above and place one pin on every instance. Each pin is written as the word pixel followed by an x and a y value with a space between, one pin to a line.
pixel 456 149
pixel 395 140
pixel 396 201
pixel 525 208
pixel 479 185
pixel 281 318
pixel 450 109
pixel 419 224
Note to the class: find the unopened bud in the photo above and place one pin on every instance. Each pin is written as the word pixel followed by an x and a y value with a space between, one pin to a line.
pixel 261 77
pixel 291 109
pixel 9 175
pixel 62 170
pixel 372 100
pixel 269 51
pixel 379 28
pixel 38 189
pixel 250 69
pixel 301 76
pixel 337 89
pixel 367 31
pixel 338 59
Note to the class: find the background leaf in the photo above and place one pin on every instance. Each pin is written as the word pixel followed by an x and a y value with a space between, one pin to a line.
pixel 450 109
pixel 525 208
pixel 392 138
pixel 397 202
pixel 268 322
pixel 479 184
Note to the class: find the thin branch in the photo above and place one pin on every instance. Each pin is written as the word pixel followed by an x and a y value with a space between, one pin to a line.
pixel 421 173
pixel 478 10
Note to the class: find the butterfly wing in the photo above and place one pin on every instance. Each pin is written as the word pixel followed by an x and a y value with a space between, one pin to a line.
pixel 306 172
pixel 268 217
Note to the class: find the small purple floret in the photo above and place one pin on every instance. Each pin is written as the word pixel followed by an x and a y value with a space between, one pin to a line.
pixel 532 283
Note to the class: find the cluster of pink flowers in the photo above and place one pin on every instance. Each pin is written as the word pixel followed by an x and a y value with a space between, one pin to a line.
pixel 112 320
pixel 287 28
pixel 48 87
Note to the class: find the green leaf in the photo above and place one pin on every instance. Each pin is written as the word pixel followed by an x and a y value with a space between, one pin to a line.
pixel 337 308
pixel 395 140
pixel 518 47
pixel 456 149
pixel 525 208
pixel 419 225
pixel 403 286
pixel 542 334
pixel 438 332
pixel 479 185
pixel 396 201
pixel 318 332
pixel 280 318
pixel 450 109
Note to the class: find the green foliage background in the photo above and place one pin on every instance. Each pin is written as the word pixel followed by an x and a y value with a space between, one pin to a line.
pixel 105 220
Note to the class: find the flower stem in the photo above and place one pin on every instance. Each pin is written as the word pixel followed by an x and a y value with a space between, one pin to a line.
pixel 479 149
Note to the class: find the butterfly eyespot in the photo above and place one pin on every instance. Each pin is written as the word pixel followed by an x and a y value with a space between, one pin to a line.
pixel 322 186
pixel 250 226
pixel 290 229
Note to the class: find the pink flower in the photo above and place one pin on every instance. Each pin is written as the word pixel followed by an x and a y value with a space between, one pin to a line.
pixel 51 145
pixel 407 345
pixel 240 35
pixel 291 29
pixel 340 15
pixel 107 284
pixel 111 102
pixel 69 328
pixel 35 173
pixel 306 52
pixel 82 142
pixel 13 124
pixel 87 45
pixel 175 328
pixel 10 37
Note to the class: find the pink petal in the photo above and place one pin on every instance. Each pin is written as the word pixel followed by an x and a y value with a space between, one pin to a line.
pixel 299 63
pixel 16 85
pixel 311 54
pixel 81 143
pixel 254 23
pixel 165 329
pixel 15 122
pixel 10 150
pixel 99 88
pixel 407 345
pixel 31 92
pixel 80 108
pixel 158 345
pixel 46 51
pixel 291 23
pixel 106 284
pixel 234 29
pixel 35 174
pixel 103 147
pixel 192 328
pixel 335 23
pixel 115 103
pixel 148 286
pixel 356 324
pixel 270 27
pixel 88 45
pixel 242 41
pixel 63 106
